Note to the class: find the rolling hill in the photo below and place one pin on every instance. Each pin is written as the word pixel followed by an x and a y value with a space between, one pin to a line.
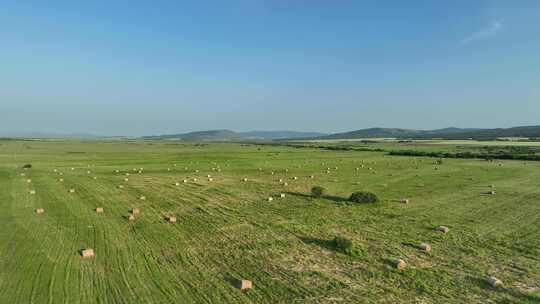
pixel 228 135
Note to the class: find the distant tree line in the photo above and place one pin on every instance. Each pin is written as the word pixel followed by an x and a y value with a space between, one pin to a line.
pixel 480 155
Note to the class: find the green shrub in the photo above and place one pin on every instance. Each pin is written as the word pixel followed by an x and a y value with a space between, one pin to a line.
pixel 317 191
pixel 346 246
pixel 363 197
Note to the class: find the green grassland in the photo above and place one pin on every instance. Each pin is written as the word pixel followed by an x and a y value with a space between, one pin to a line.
pixel 227 229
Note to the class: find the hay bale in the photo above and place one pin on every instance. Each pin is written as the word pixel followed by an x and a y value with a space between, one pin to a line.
pixel 295 178
pixel 127 174
pixel 131 217
pixel 282 195
pixel 244 179
pixel 88 172
pixel 71 190
pixel 135 211
pixel 424 247
pixel 95 177
pixel 32 192
pixel 116 171
pixel 99 210
pixel 209 176
pixel 72 169
pixel 285 184
pixel 404 201
pixel 244 284
pixel 210 179
pixel 61 180
pixel 126 179
pixel 171 219
pixel 443 229
pixel 400 264
pixel 493 281
pixel 177 184
pixel 270 199
pixel 22 174
pixel 195 179
pixel 40 210
pixel 29 181
pixel 281 180
pixel 312 176
pixel 491 192
pixel 142 197
pixel 185 181
pixel 120 186
pixel 87 253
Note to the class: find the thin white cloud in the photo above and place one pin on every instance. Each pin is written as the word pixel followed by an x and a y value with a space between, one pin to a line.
pixel 489 31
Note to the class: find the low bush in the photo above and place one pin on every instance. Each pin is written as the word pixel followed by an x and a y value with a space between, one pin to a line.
pixel 346 246
pixel 363 197
pixel 317 191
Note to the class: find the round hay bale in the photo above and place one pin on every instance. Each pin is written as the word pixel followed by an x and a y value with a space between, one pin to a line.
pixel 99 210
pixel 443 229
pixel 400 264
pixel 87 253
pixel 424 247
pixel 493 281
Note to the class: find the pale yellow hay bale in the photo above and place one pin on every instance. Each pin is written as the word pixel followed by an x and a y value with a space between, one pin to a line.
pixel 40 210
pixel 425 247
pixel 400 264
pixel 99 210
pixel 244 284
pixel 443 229
pixel 87 253
pixel 493 281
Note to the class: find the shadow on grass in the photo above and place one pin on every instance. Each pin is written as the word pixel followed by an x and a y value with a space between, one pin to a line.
pixel 326 244
pixel 333 198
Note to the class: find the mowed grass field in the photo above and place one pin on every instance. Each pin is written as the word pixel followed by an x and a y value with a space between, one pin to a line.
pixel 227 229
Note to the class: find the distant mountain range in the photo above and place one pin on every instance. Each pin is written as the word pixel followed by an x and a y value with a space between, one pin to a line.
pixel 446 133
pixel 228 135
pixel 394 133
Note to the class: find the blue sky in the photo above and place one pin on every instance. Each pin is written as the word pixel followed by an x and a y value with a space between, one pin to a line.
pixel 151 67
